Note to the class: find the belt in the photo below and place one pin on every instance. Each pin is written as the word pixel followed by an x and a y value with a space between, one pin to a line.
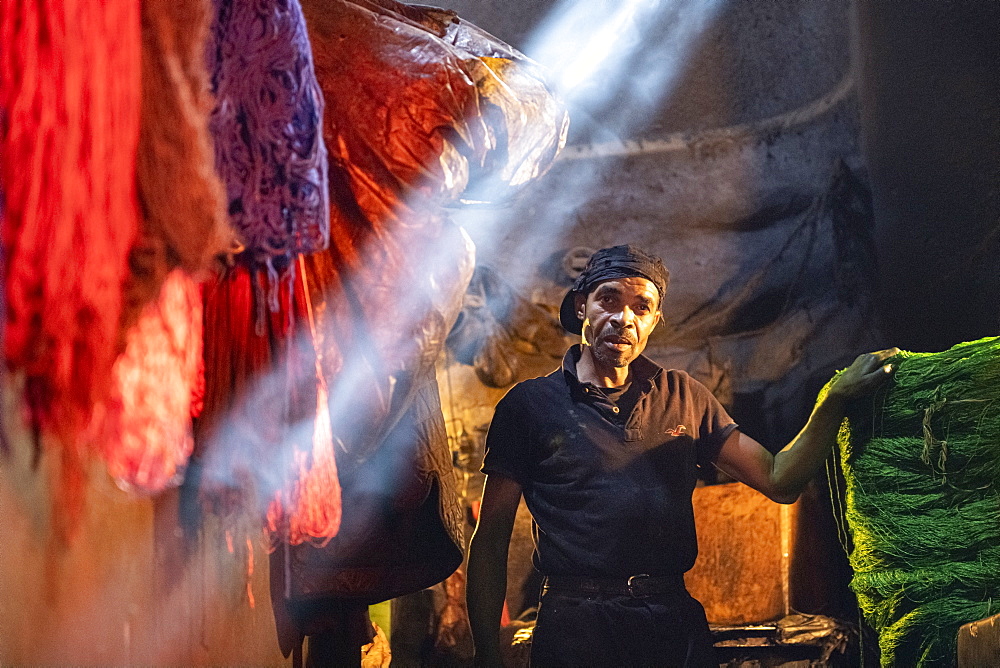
pixel 634 585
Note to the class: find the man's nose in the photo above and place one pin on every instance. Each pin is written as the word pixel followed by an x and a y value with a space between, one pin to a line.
pixel 624 317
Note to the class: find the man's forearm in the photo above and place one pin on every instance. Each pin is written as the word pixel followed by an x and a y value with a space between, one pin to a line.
pixel 801 459
pixel 485 594
pixel 783 476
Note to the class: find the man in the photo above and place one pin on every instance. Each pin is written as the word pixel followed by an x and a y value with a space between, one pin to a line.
pixel 605 451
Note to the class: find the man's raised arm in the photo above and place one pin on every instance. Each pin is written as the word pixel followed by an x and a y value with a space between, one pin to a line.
pixel 783 476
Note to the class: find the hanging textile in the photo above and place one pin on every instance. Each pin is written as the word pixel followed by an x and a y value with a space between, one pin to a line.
pixel 307 507
pixel 183 202
pixel 245 406
pixel 4 442
pixel 268 147
pixel 70 91
pixel 147 438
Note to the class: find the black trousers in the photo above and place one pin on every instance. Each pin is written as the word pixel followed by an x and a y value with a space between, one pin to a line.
pixel 599 630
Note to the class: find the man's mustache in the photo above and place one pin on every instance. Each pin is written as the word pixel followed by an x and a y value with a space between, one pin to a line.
pixel 626 335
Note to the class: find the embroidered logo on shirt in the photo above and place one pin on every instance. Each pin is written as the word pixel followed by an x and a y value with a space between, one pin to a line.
pixel 677 431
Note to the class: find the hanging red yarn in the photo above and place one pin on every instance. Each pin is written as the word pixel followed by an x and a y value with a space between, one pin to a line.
pixel 147 436
pixel 70 89
pixel 265 425
pixel 240 427
pixel 308 507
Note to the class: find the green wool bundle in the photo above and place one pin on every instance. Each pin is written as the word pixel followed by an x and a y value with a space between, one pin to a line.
pixel 921 462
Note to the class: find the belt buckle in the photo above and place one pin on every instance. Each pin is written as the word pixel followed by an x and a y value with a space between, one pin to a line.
pixel 634 580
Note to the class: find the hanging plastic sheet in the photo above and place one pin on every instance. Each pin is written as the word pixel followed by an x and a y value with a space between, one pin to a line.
pixel 411 127
pixel 410 124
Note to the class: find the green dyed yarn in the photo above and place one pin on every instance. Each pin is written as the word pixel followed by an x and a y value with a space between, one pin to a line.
pixel 922 465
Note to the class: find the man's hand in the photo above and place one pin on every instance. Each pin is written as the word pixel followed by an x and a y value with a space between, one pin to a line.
pixel 865 375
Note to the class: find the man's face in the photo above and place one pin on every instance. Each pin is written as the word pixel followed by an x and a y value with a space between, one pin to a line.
pixel 619 315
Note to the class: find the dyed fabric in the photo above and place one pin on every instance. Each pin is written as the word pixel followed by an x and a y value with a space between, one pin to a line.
pixel 70 91
pixel 266 125
pixel 4 442
pixel 921 463
pixel 401 524
pixel 147 439
pixel 70 86
pixel 183 202
pixel 244 406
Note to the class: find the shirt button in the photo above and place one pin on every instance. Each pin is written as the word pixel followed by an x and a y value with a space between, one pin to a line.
pixel 614 409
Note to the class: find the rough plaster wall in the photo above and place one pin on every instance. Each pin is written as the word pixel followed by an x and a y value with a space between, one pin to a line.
pixel 755 59
pixel 931 118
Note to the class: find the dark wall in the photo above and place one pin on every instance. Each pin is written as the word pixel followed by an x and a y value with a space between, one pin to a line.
pixel 930 109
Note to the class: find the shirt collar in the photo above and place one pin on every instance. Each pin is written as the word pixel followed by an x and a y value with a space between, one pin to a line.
pixel 643 368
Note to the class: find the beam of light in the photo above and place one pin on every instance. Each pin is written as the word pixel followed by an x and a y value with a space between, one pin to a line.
pixel 617 62
pixel 576 44
pixel 613 62
pixel 615 65
pixel 382 359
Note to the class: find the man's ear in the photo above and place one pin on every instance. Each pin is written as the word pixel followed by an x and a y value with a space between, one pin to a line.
pixel 580 304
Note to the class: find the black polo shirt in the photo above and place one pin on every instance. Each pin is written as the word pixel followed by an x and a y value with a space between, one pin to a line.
pixel 608 498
